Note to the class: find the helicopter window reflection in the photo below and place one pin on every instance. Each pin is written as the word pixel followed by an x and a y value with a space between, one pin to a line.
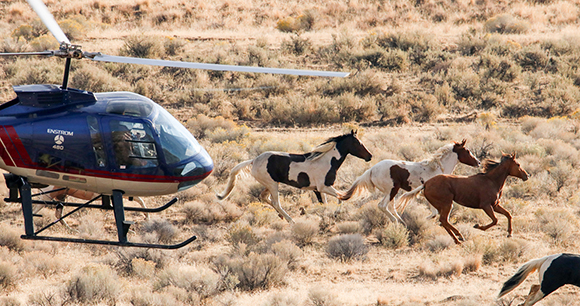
pixel 177 142
pixel 130 108
pixel 133 144
pixel 98 147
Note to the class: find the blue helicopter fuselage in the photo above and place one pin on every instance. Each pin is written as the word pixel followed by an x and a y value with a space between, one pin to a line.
pixel 98 142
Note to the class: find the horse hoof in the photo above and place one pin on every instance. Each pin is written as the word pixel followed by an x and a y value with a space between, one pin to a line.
pixel 509 235
pixel 476 226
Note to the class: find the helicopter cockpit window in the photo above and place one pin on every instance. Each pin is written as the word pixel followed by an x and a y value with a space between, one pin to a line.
pixel 97 141
pixel 132 108
pixel 177 142
pixel 134 145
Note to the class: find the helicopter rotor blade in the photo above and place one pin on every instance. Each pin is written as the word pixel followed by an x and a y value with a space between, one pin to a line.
pixel 42 11
pixel 217 67
pixel 49 53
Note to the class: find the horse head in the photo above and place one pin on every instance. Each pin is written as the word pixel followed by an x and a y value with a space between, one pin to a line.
pixel 464 155
pixel 514 167
pixel 356 147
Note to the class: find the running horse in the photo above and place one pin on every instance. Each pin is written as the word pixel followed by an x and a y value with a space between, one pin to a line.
pixel 481 191
pixel 314 170
pixel 389 176
pixel 555 271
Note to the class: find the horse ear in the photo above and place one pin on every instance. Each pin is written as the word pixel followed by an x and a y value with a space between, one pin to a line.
pixel 353 132
pixel 514 155
pixel 463 142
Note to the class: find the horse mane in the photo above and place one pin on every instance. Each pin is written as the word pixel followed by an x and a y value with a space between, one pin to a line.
pixel 324 147
pixel 489 164
pixel 435 161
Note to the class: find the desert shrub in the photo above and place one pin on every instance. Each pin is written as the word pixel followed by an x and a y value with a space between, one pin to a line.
pixel 304 231
pixel 142 46
pixel 164 230
pixel 532 57
pixel 173 46
pixel 241 233
pixel 7 275
pixel 362 84
pixel 210 213
pixel 131 259
pixel 417 225
pixel 13 45
pixel 297 45
pixel 202 125
pixel 254 271
pixel 147 298
pixel 471 44
pixel 43 43
pixel 92 78
pixel 371 217
pixel 288 252
pixel 320 296
pixel 506 24
pixel 10 301
pixel 44 298
pixel 286 299
pixel 32 71
pixel 558 225
pixel 72 28
pixel 346 247
pixel 304 22
pixel 353 108
pixel 472 263
pixel 394 236
pixel 514 250
pixel 200 280
pixel 43 263
pixel 348 227
pixel 503 69
pixel 439 243
pixel 10 238
pixel 142 268
pixel 300 111
pixel 93 284
pixel 24 31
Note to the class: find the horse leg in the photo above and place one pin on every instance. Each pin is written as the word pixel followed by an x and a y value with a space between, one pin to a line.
pixel 273 189
pixel 264 196
pixel 444 220
pixel 383 207
pixel 142 203
pixel 534 296
pixel 489 211
pixel 319 197
pixel 500 210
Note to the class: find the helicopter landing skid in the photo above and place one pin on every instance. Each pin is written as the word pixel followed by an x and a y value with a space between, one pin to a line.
pixel 20 184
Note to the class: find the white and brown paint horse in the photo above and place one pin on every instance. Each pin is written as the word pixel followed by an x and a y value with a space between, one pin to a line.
pixel 555 271
pixel 315 170
pixel 391 175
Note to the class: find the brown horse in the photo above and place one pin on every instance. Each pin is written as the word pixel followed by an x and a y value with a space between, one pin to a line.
pixel 481 191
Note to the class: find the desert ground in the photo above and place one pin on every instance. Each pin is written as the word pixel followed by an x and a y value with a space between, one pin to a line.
pixel 503 75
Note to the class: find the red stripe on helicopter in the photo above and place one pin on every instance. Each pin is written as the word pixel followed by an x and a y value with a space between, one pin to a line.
pixel 7 147
pixel 21 150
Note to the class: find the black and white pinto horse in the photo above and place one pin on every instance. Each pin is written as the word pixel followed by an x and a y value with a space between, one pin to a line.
pixel 391 175
pixel 315 170
pixel 555 271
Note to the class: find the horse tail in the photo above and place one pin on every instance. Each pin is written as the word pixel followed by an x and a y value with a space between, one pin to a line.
pixel 407 198
pixel 232 179
pixel 522 273
pixel 363 182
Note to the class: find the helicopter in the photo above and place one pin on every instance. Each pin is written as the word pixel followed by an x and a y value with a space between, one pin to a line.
pixel 114 144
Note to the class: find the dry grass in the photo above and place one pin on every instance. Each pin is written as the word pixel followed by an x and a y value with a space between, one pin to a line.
pixel 504 75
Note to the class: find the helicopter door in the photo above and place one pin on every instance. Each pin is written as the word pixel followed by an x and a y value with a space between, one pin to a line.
pixel 133 146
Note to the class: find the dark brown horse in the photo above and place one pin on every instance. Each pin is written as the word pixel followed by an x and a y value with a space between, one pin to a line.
pixel 481 191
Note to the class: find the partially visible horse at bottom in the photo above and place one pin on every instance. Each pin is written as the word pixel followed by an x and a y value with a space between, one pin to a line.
pixel 314 170
pixel 391 175
pixel 481 191
pixel 555 271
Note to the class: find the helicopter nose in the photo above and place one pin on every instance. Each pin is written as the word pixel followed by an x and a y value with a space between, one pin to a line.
pixel 196 170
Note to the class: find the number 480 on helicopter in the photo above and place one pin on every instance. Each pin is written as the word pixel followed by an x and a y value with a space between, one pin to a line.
pixel 115 144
